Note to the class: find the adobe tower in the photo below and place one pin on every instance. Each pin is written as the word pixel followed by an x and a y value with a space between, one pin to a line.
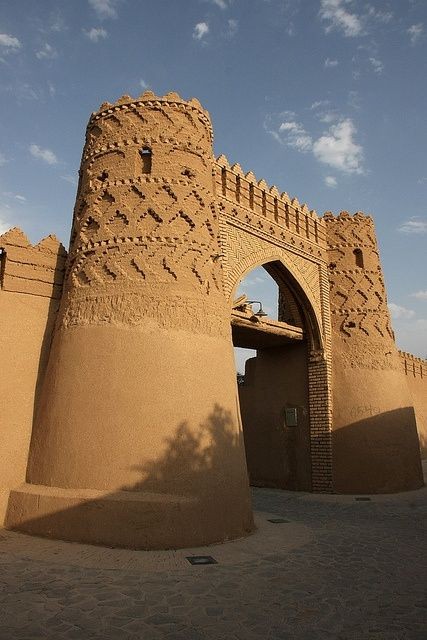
pixel 128 447
pixel 375 431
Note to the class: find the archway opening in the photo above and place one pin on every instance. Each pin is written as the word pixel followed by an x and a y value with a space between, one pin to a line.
pixel 272 361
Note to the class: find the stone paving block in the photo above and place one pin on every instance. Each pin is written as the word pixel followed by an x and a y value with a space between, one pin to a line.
pixel 343 579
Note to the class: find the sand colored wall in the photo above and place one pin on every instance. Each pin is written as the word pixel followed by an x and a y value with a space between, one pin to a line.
pixel 137 438
pixel 31 280
pixel 415 370
pixel 375 444
pixel 140 394
pixel 277 455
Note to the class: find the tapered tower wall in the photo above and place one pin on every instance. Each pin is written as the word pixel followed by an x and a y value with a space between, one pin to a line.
pixel 137 441
pixel 375 443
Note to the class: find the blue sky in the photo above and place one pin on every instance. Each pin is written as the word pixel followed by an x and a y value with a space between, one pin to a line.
pixel 327 99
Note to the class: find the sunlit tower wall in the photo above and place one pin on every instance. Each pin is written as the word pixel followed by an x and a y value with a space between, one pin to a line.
pixel 375 442
pixel 137 441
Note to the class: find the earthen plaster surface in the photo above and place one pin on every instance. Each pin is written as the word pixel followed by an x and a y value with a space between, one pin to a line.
pixel 137 404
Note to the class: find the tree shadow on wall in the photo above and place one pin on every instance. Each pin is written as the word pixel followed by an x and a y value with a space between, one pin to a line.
pixel 194 461
pixel 196 492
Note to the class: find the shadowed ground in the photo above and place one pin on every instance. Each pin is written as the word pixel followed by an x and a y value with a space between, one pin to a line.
pixel 339 568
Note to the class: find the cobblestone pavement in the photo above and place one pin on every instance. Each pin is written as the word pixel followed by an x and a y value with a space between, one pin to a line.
pixel 339 568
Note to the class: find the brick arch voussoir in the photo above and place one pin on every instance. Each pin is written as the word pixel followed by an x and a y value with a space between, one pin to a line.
pixel 259 257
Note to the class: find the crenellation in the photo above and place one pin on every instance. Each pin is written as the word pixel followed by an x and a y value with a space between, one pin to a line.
pixel 413 365
pixel 32 269
pixel 266 202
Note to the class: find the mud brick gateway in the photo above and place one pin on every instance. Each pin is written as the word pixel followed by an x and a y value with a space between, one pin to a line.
pixel 120 422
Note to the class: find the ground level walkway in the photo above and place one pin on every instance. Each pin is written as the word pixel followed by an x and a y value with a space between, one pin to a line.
pixel 318 567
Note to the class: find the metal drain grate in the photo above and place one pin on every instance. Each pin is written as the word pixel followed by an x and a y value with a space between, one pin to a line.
pixel 278 520
pixel 201 560
pixel 363 499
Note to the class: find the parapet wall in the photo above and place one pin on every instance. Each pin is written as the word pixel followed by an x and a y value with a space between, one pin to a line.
pixel 31 284
pixel 266 203
pixel 413 366
pixel 415 370
pixel 37 270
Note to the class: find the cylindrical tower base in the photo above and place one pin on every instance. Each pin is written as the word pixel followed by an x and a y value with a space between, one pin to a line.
pixel 137 441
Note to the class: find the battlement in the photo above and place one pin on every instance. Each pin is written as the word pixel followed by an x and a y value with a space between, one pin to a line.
pixel 149 99
pixel 412 365
pixel 345 217
pixel 32 269
pixel 346 231
pixel 256 197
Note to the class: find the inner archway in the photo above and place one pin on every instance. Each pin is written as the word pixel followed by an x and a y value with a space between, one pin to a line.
pixel 274 390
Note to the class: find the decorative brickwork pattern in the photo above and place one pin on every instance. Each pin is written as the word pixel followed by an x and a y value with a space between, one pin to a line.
pixel 320 406
pixel 145 241
pixel 244 248
pixel 359 311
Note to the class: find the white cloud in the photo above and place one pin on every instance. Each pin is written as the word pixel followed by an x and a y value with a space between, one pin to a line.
pixel 420 295
pixel 23 91
pixel 252 282
pixel 377 65
pixel 413 225
pixel 222 4
pixel 57 22
pixel 381 16
pixel 47 52
pixel 2 159
pixel 415 32
pixel 233 27
pixel 16 196
pixel 334 12
pixel 200 30
pixel 143 84
pixel 95 35
pixel 104 8
pixel 289 126
pixel 330 63
pixel 338 149
pixel 10 42
pixel 354 100
pixel 400 313
pixel 328 117
pixel 319 103
pixel 43 154
pixel 296 136
pixel 331 182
